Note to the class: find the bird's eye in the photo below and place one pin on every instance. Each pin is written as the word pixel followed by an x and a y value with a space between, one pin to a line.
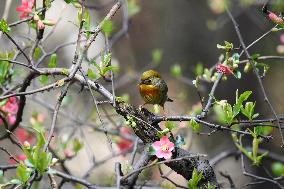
pixel 148 81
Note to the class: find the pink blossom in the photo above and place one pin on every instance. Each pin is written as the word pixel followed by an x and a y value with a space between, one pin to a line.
pixel 282 38
pixel 20 157
pixel 68 153
pixel 25 9
pixel 11 119
pixel 164 148
pixel 23 135
pixel 123 144
pixel 40 118
pixel 10 108
pixel 223 69
pixel 40 24
pixel 27 144
pixel 274 18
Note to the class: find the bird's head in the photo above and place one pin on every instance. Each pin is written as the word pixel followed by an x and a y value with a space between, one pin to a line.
pixel 149 76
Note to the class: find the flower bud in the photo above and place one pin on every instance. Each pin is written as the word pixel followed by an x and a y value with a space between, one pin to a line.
pixel 77 5
pixel 247 67
pixel 49 22
pixel 40 25
pixel 27 144
pixel 223 69
pixel 36 17
pixel 274 18
pixel 54 160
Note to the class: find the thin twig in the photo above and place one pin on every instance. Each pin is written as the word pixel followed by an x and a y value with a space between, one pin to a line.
pixel 256 73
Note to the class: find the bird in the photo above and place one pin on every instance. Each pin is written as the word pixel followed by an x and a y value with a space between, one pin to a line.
pixel 153 88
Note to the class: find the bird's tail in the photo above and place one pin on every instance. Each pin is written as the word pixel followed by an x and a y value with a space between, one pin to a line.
pixel 169 100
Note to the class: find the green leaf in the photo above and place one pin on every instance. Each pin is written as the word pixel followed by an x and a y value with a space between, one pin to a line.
pixel 5 68
pixel 259 158
pixel 65 71
pixel 68 1
pixel 39 136
pixel 227 46
pixel 52 61
pixel 77 145
pixel 210 186
pixel 3 102
pixel 244 151
pixel 23 173
pixel 176 70
pixel 195 179
pixel 228 113
pixel 207 74
pixel 106 59
pixel 4 26
pixel 43 161
pixel 151 150
pixel 109 68
pixel 48 3
pixel 265 68
pixel 255 56
pixel 248 110
pixel 91 74
pixel 267 130
pixel 86 18
pixel 220 46
pixel 194 125
pixel 236 58
pixel 43 79
pixel 36 53
pixel 162 133
pixel 29 155
pixel 198 69
pixel 157 55
pixel 258 130
pixel 277 169
pixel 239 101
pixel 170 125
pixel 107 27
pixel 220 114
pixel 238 74
pixel 133 8
pixel 15 181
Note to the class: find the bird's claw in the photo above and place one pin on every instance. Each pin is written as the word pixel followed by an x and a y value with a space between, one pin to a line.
pixel 140 107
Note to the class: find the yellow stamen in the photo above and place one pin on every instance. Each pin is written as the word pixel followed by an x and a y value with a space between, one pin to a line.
pixel 165 148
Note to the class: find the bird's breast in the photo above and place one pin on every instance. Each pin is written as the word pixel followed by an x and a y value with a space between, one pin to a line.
pixel 150 93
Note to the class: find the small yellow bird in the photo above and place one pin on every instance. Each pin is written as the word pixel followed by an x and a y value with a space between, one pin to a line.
pixel 153 88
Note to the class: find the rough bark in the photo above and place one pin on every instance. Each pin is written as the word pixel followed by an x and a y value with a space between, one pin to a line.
pixel 146 129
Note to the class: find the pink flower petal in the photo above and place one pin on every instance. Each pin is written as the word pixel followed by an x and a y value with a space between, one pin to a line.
pixel 20 9
pixel 157 145
pixel 11 119
pixel 159 154
pixel 168 155
pixel 25 9
pixel 164 140
pixel 171 146
pixel 282 38
pixel 40 25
